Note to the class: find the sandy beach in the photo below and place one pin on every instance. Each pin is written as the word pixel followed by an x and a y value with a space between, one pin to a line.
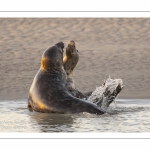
pixel 119 47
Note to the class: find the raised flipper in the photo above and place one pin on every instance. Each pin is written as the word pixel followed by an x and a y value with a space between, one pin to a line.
pixel 104 95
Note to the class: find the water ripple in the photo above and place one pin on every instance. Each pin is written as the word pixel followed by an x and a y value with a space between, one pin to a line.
pixel 128 116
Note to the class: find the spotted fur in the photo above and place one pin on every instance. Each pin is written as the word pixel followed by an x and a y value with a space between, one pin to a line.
pixel 70 60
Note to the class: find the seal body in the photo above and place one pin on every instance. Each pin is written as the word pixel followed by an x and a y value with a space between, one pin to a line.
pixel 48 92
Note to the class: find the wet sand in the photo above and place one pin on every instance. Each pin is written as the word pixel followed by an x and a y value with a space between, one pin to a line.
pixel 119 47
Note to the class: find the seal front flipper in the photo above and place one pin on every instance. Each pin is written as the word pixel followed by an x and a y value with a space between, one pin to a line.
pixel 70 60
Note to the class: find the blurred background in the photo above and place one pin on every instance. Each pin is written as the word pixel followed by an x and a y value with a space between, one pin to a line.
pixel 119 47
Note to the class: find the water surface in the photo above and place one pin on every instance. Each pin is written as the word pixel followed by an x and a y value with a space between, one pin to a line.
pixel 129 115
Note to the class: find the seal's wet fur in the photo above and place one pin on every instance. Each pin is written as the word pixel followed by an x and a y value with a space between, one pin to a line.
pixel 70 60
pixel 48 92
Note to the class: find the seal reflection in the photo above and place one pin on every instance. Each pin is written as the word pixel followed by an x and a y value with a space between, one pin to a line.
pixel 53 122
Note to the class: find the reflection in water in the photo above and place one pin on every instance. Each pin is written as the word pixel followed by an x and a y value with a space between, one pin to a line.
pixel 128 116
pixel 52 122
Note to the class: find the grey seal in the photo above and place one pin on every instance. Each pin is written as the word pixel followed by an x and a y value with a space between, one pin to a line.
pixel 48 92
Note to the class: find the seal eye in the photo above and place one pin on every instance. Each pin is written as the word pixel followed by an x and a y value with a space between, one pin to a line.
pixel 77 51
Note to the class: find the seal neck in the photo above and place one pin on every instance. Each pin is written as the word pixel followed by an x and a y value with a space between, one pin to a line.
pixel 49 66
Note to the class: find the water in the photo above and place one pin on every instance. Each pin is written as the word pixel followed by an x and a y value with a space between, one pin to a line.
pixel 129 115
